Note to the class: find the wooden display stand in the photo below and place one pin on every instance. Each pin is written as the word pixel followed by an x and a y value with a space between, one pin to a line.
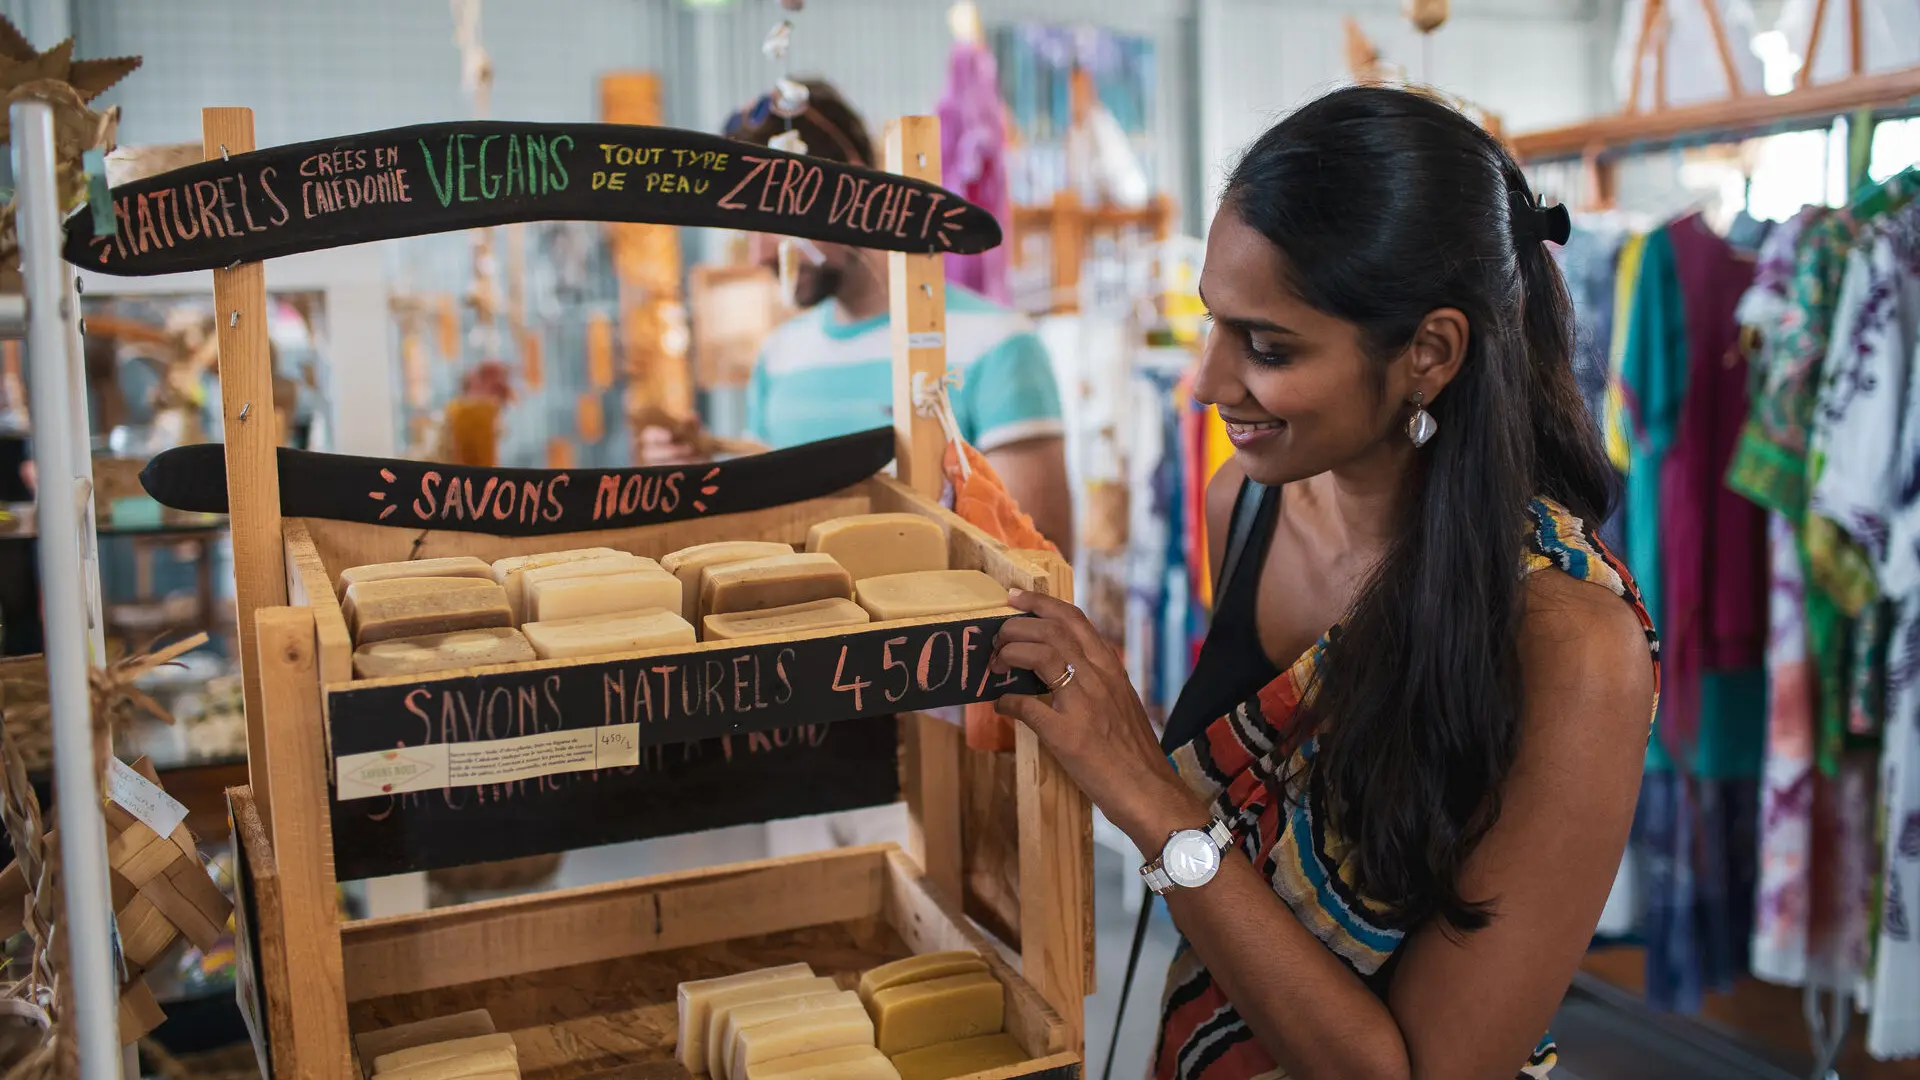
pixel 585 979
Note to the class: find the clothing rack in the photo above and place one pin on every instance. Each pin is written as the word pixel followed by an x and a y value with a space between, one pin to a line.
pixel 1601 143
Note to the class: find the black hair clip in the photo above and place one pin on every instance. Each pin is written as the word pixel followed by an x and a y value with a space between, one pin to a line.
pixel 1537 224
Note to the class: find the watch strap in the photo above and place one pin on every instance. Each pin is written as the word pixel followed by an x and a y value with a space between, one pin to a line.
pixel 1155 873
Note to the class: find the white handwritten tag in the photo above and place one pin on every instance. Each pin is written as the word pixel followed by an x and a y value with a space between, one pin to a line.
pixel 934 340
pixel 488 761
pixel 144 799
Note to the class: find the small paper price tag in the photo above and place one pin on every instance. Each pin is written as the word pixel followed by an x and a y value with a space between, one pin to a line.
pixel 144 799
pixel 99 198
pixel 931 339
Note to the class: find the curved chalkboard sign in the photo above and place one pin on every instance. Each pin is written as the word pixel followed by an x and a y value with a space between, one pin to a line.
pixel 439 177
pixel 523 502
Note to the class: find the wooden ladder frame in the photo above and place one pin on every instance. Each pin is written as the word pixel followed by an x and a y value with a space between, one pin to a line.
pixel 309 959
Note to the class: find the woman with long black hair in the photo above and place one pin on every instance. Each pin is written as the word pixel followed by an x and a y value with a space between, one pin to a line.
pixel 1391 801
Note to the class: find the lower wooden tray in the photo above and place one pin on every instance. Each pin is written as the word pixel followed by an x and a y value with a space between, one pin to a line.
pixel 585 978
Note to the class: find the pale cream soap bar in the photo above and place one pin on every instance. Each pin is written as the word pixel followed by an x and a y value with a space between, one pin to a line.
pixel 929 592
pixel 596 635
pixel 696 999
pixel 441 652
pixel 464 566
pixel 875 545
pixel 607 594
pixel 812 615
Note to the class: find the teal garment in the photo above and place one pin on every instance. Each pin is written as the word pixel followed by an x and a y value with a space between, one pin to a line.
pixel 1653 381
pixel 1733 732
pixel 818 377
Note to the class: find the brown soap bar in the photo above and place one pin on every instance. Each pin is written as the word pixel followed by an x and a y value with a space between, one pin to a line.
pixel 687 563
pixel 777 581
pixel 441 652
pixel 460 566
pixel 812 615
pixel 411 607
pixel 930 592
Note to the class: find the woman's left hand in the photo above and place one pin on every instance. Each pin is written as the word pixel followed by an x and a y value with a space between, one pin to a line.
pixel 1095 725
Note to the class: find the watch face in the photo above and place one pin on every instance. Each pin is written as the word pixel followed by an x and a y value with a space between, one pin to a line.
pixel 1190 858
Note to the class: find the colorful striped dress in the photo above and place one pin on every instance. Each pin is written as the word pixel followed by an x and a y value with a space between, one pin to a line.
pixel 1241 760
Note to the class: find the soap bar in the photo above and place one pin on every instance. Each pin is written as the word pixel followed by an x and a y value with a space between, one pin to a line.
pixel 728 1025
pixel 411 607
pixel 452 1048
pixel 802 1033
pixel 458 1067
pixel 595 635
pixel 373 1044
pixel 521 582
pixel 726 1002
pixel 840 1063
pixel 923 968
pixel 608 594
pixel 943 1061
pixel 875 545
pixel 776 581
pixel 937 1011
pixel 441 652
pixel 812 615
pixel 507 572
pixel 463 566
pixel 929 592
pixel 696 997
pixel 687 563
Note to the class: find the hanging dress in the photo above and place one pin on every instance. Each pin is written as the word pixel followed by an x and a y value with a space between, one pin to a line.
pixel 1231 741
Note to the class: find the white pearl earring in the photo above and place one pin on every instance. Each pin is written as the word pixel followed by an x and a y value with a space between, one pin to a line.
pixel 1421 426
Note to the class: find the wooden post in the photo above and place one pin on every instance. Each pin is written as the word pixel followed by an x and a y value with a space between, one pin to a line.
pixel 1721 46
pixel 934 803
pixel 917 287
pixel 294 755
pixel 253 475
pixel 1805 77
pixel 1056 868
pixel 1640 40
pixel 1856 41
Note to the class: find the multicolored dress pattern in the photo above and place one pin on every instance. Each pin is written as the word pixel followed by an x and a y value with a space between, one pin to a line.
pixel 1259 782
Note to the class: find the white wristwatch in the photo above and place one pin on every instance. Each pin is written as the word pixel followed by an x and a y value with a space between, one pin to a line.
pixel 1190 859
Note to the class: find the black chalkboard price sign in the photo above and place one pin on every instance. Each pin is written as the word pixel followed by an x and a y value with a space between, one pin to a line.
pixel 441 772
pixel 440 177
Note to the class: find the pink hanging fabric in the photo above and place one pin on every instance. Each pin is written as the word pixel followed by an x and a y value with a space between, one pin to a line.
pixel 973 159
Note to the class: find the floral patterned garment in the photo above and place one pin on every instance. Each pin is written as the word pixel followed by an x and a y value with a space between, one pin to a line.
pixel 1786 810
pixel 1870 485
pixel 1259 781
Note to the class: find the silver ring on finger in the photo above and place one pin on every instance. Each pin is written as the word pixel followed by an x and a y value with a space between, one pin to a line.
pixel 1054 686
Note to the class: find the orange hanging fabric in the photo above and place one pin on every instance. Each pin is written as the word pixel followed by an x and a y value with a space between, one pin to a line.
pixel 982 501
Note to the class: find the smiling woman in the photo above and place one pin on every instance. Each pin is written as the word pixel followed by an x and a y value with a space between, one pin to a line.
pixel 1416 727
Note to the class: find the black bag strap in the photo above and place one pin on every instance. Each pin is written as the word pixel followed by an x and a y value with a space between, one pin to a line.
pixel 1246 515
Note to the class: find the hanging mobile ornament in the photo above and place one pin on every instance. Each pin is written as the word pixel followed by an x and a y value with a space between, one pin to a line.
pixel 790 250
pixel 790 100
pixel 779 41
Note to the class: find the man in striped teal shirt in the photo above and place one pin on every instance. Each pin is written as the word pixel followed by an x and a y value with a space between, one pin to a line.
pixel 828 371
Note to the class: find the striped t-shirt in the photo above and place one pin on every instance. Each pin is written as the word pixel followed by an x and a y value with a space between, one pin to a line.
pixel 818 377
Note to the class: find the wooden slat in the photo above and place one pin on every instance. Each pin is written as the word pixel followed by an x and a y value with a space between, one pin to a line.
pixel 1810 106
pixel 1056 886
pixel 1856 41
pixel 929 923
pixel 1722 46
pixel 261 977
pixel 1804 78
pixel 309 584
pixel 302 837
pixel 452 946
pixel 253 477
pixel 932 788
pixel 918 295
